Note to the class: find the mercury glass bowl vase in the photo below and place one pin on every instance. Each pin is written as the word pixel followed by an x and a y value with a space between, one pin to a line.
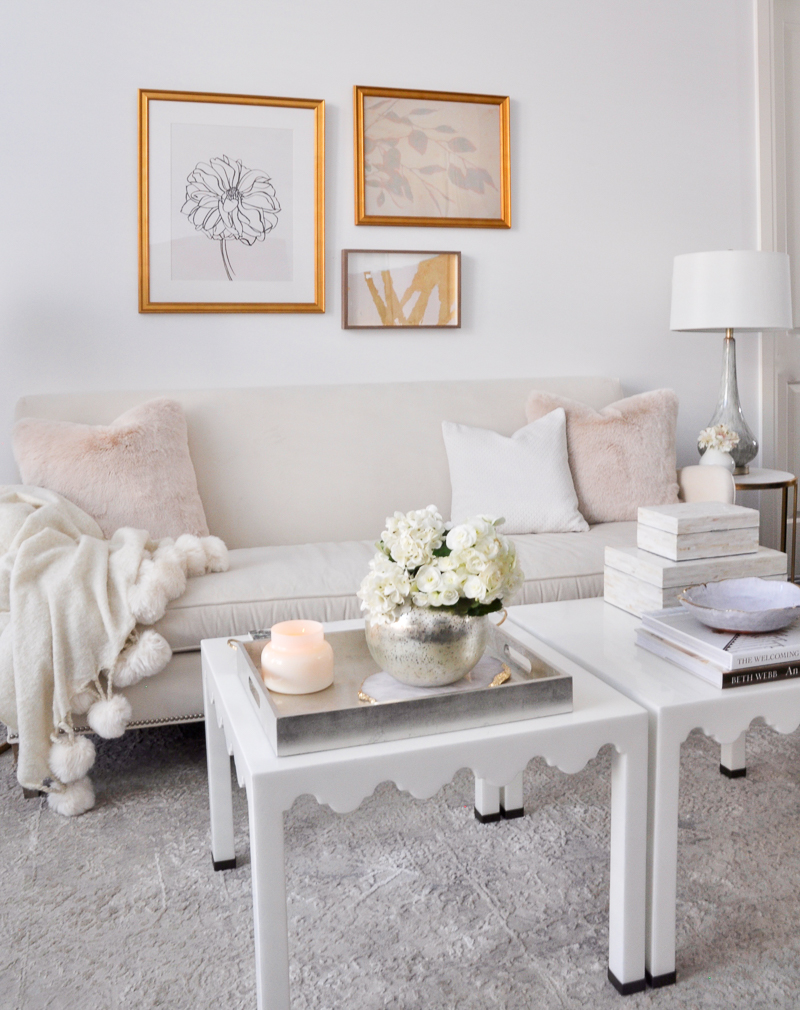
pixel 428 647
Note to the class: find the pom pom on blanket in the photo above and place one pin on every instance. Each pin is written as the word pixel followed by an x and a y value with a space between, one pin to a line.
pixel 77 798
pixel 147 654
pixel 216 554
pixel 71 760
pixel 194 554
pixel 110 717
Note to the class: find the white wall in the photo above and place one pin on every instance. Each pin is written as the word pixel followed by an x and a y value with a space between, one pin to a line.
pixel 632 140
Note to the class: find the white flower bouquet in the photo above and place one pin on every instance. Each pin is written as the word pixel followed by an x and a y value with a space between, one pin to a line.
pixel 467 569
pixel 720 436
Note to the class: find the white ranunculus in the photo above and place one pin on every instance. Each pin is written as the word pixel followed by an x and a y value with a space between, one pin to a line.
pixel 451 579
pixel 461 536
pixel 473 561
pixel 489 546
pixel 449 597
pixel 428 579
pixel 419 599
pixel 474 589
pixel 492 578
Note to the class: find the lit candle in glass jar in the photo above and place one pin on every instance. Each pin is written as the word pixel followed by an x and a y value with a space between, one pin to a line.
pixel 297 659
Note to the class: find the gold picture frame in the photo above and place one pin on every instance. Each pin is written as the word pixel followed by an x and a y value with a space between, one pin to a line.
pixel 246 172
pixel 431 158
pixel 400 289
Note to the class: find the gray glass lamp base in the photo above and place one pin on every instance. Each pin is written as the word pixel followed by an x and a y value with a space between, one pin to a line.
pixel 729 410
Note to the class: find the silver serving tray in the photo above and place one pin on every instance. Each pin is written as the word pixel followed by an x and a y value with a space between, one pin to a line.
pixel 336 717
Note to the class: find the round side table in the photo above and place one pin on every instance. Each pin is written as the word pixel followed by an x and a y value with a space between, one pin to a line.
pixel 769 480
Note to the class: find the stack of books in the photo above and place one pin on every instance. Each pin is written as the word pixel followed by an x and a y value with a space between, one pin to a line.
pixel 723 658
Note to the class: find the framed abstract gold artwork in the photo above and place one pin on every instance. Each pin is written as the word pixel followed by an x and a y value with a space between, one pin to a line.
pixel 231 203
pixel 384 288
pixel 436 158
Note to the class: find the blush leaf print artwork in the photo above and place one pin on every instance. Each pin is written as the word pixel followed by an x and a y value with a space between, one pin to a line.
pixel 437 160
pixel 226 201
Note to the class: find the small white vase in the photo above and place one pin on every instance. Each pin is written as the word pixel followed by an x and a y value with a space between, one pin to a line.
pixel 716 457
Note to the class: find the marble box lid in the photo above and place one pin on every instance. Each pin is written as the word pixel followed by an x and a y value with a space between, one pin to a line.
pixel 697 517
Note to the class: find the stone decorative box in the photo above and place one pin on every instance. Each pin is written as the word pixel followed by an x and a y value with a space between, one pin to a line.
pixel 691 530
pixel 638 581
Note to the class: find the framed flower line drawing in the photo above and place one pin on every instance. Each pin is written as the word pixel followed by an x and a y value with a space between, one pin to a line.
pixel 382 288
pixel 431 158
pixel 231 203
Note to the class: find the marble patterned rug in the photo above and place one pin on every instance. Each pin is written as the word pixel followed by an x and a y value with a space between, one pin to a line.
pixel 403 904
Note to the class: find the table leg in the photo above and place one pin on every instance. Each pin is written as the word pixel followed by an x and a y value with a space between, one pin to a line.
pixel 662 853
pixel 784 508
pixel 487 801
pixel 732 760
pixel 220 792
pixel 626 916
pixel 269 899
pixel 511 804
pixel 794 534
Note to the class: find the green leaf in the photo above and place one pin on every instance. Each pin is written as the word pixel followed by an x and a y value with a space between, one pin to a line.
pixel 442 552
pixel 391 158
pixel 471 608
pixel 444 129
pixel 430 169
pixel 461 145
pixel 456 176
pixel 418 140
pixel 381 198
pixel 421 112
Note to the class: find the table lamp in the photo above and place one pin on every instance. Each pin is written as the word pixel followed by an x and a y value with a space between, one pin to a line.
pixel 726 291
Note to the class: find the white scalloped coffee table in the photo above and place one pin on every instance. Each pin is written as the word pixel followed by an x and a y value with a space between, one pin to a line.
pixel 422 765
pixel 602 638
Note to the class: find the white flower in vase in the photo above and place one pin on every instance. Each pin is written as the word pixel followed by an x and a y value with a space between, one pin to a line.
pixel 718 441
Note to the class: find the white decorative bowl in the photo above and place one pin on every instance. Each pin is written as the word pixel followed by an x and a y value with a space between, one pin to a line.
pixel 743 605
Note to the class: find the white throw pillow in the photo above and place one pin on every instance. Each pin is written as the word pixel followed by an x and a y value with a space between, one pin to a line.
pixel 525 478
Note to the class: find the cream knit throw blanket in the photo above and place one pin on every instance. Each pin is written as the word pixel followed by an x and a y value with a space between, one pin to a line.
pixel 73 607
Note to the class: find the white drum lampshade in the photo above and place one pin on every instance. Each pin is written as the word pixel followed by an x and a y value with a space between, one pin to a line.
pixel 726 291
pixel 731 290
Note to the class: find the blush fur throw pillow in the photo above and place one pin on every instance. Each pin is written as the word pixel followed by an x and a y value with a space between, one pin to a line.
pixel 621 457
pixel 135 471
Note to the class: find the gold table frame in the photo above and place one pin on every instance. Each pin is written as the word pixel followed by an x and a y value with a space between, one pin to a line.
pixel 775 480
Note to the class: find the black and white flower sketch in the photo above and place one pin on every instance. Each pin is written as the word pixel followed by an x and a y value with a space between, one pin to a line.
pixel 225 200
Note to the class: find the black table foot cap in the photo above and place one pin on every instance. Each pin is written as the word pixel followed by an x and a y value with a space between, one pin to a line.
pixel 733 773
pixel 659 981
pixel 486 818
pixel 509 815
pixel 224 864
pixel 626 988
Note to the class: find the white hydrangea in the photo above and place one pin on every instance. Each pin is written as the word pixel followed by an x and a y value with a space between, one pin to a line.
pixel 481 564
pixel 411 538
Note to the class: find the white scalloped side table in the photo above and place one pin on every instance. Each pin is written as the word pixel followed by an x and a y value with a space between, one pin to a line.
pixel 344 777
pixel 602 638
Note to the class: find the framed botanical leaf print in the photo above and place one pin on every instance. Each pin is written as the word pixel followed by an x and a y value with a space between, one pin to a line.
pixel 231 203
pixel 431 158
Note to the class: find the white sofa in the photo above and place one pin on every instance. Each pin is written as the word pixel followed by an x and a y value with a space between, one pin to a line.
pixel 298 482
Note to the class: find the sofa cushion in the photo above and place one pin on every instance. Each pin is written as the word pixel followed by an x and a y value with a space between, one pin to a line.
pixel 525 478
pixel 622 456
pixel 134 472
pixel 265 585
